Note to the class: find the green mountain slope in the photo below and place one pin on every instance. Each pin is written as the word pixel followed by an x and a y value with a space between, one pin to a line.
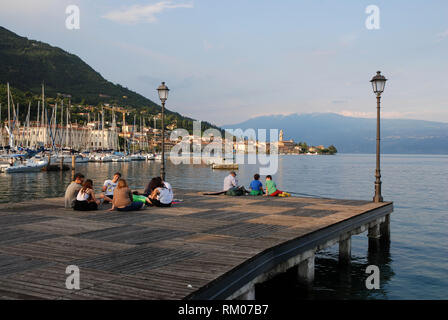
pixel 26 64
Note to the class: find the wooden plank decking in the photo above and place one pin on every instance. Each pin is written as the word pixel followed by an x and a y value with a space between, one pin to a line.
pixel 190 250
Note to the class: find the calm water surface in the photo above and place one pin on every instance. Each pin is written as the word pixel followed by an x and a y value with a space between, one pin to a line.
pixel 416 266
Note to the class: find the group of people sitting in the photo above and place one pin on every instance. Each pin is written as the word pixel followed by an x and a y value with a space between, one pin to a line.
pixel 80 194
pixel 231 187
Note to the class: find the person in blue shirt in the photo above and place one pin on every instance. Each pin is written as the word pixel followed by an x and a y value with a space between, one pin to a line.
pixel 256 187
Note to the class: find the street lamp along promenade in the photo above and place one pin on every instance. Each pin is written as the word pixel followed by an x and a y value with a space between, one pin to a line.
pixel 378 84
pixel 163 95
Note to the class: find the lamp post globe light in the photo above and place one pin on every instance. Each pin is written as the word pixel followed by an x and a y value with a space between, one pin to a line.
pixel 163 95
pixel 378 84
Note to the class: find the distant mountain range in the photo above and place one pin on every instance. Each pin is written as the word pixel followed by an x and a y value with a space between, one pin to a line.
pixel 357 135
pixel 26 64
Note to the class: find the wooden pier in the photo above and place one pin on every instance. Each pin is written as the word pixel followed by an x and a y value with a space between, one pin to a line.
pixel 205 247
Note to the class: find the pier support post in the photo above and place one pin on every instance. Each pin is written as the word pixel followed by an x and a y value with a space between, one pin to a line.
pixel 73 167
pixel 374 237
pixel 62 163
pixel 49 161
pixel 385 228
pixel 345 250
pixel 306 271
pixel 385 233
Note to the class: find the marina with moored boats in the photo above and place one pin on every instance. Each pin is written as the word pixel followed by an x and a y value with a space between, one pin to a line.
pixel 53 139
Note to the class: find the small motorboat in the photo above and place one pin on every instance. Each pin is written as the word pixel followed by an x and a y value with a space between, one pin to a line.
pixel 107 158
pixel 21 165
pixel 121 159
pixel 101 157
pixel 137 157
pixel 225 166
pixel 67 159
pixel 81 159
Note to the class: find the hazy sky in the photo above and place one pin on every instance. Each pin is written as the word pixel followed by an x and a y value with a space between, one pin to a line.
pixel 227 61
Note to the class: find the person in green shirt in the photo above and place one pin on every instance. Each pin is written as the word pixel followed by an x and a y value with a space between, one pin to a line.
pixel 271 187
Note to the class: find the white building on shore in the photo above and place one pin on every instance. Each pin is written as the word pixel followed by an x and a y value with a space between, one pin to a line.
pixel 72 136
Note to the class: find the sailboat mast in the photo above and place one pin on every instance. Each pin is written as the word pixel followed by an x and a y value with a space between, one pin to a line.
pixel 141 133
pixel 154 131
pixel 17 121
pixel 67 143
pixel 9 107
pixel 114 131
pixel 144 139
pixel 61 130
pixel 103 132
pixel 44 131
pixel 55 124
pixel 1 127
pixel 38 110
pixel 28 135
pixel 133 135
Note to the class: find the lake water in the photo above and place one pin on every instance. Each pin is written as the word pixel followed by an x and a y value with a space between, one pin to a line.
pixel 416 266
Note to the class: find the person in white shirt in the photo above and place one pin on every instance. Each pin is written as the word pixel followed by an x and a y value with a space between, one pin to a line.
pixel 162 195
pixel 170 189
pixel 231 184
pixel 230 181
pixel 109 187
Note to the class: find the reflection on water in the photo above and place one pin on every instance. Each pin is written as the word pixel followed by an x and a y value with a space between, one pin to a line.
pixel 417 265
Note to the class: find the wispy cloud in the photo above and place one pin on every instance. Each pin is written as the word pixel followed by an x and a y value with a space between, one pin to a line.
pixel 339 101
pixel 207 45
pixel 26 6
pixel 144 13
pixel 323 52
pixel 442 35
pixel 348 39
pixel 388 115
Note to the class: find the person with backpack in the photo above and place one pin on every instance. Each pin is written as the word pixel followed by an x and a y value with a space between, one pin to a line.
pixel 231 187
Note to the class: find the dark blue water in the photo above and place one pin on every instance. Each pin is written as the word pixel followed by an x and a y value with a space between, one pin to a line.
pixel 416 266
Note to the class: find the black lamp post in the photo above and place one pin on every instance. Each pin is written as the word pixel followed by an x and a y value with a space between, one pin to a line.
pixel 378 84
pixel 163 95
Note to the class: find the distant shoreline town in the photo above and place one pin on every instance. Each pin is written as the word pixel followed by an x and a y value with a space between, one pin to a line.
pixel 57 124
